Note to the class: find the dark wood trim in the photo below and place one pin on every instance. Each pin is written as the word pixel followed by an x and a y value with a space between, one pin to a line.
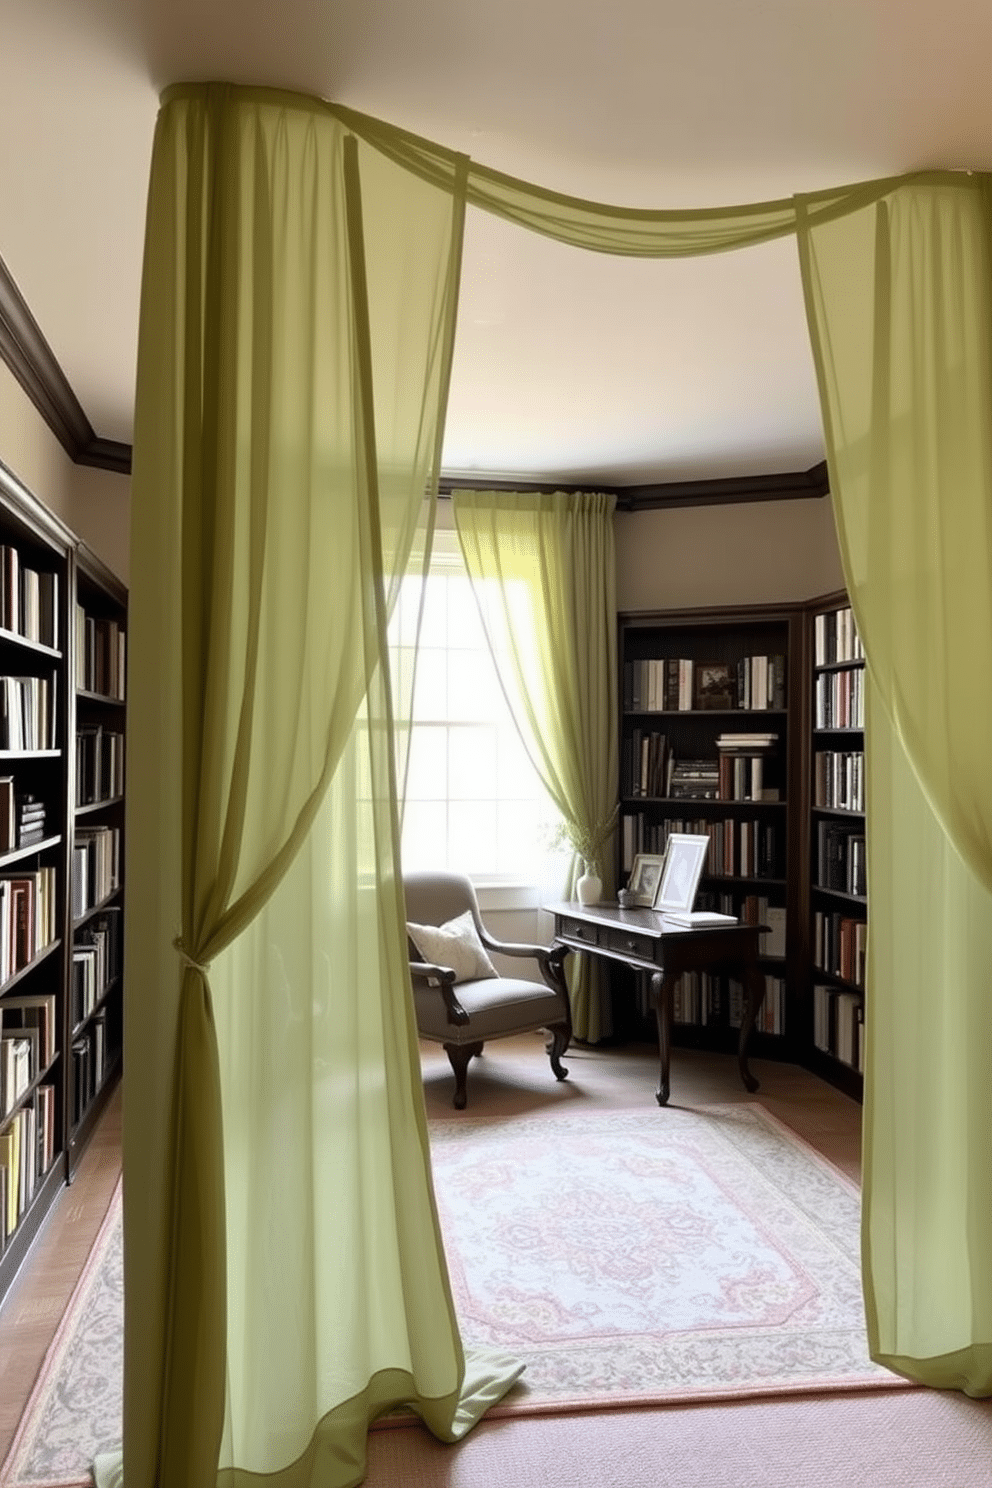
pixel 98 573
pixel 35 518
pixel 797 485
pixel 33 363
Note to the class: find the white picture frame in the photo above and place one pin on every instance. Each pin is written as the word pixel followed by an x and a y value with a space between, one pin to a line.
pixel 645 879
pixel 684 859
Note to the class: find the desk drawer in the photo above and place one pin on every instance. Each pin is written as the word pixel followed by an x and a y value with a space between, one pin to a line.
pixel 629 943
pixel 582 930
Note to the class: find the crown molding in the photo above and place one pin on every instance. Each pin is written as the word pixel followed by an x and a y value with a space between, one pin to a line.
pixel 33 363
pixel 796 485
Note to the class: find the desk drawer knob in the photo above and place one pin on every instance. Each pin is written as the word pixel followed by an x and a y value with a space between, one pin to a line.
pixel 579 932
pixel 631 943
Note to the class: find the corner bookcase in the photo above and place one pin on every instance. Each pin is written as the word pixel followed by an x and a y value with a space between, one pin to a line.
pixel 746 724
pixel 61 846
pixel 837 867
pixel 710 743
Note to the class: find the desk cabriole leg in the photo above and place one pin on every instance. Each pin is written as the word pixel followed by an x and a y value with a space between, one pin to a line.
pixel 754 986
pixel 662 995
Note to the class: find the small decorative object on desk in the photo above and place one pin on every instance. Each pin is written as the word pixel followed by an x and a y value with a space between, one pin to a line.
pixel 625 899
pixel 590 886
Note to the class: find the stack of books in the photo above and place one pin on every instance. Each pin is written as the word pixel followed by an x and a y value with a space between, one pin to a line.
pixel 742 766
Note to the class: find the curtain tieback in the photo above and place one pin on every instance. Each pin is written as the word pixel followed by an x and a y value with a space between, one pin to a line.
pixel 201 966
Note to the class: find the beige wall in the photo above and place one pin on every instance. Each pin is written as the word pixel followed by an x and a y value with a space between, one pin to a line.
pixel 760 553
pixel 95 504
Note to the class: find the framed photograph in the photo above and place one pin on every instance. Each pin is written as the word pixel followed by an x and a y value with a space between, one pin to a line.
pixel 716 684
pixel 683 866
pixel 645 877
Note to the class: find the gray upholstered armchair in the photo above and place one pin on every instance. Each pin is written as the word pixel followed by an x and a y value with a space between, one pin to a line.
pixel 460 999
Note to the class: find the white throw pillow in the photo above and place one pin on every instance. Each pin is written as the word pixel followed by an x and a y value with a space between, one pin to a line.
pixel 455 944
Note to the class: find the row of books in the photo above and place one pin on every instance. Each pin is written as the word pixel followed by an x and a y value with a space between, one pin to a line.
pixel 738 773
pixel 96 962
pixel 681 684
pixel 840 945
pixel 840 700
pixel 27 713
pixel 841 857
pixel 27 1044
pixel 29 599
pixel 27 918
pixel 27 1150
pixel 89 1057
pixel 839 779
pixel 835 637
pixel 706 1000
pixel 645 763
pixel 23 818
pixel 95 866
pixel 738 849
pixel 839 1024
pixel 101 662
pixel 99 765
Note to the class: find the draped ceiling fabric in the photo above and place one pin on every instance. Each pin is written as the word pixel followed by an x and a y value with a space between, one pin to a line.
pixel 543 571
pixel 285 1280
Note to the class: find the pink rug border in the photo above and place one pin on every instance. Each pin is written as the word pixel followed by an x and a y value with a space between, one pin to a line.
pixel 49 1363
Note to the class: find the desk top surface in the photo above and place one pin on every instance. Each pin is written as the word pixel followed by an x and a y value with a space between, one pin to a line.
pixel 647 921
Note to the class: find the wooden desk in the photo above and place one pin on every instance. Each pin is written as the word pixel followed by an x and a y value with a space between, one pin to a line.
pixel 646 941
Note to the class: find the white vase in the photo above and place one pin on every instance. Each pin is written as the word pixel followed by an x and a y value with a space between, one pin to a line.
pixel 589 887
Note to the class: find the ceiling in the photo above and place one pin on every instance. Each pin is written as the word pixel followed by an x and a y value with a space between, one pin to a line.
pixel 569 366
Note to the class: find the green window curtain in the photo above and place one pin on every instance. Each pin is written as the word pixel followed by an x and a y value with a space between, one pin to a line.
pixel 285 1278
pixel 900 310
pixel 543 571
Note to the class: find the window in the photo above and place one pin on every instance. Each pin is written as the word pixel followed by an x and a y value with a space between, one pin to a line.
pixel 474 801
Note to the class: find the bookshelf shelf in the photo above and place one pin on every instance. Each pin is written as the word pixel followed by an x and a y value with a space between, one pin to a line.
pixel 49 583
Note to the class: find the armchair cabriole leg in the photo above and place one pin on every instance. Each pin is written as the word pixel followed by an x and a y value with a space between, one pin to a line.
pixel 459 1056
pixel 561 1037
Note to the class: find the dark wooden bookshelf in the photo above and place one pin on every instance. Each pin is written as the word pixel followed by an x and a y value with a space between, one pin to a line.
pixel 34 540
pixel 789 882
pixel 721 640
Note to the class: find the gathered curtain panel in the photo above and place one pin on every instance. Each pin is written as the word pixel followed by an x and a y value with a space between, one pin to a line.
pixel 543 572
pixel 285 1276
pixel 899 298
pixel 297 320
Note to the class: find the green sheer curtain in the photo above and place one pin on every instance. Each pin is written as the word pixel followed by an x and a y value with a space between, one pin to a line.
pixel 543 571
pixel 899 297
pixel 292 377
pixel 285 1278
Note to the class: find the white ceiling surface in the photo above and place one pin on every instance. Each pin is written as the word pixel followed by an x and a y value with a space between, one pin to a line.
pixel 568 365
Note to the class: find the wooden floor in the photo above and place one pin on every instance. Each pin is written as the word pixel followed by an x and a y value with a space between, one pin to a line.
pixel 33 1307
pixel 512 1076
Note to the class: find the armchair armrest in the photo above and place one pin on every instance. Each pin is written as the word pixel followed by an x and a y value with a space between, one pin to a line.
pixel 511 947
pixel 442 977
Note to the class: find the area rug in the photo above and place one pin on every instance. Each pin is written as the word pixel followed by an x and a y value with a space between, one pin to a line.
pixel 628 1258
pixel 648 1256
